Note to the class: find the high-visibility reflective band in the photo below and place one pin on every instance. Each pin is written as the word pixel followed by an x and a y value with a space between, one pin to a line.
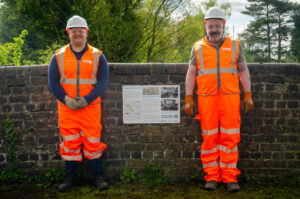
pixel 214 71
pixel 226 150
pixel 81 81
pixel 210 164
pixel 61 63
pixel 221 148
pixel 200 53
pixel 96 60
pixel 99 155
pixel 232 165
pixel 91 140
pixel 234 49
pixel 94 154
pixel 213 150
pixel 210 132
pixel 230 131
pixel 72 157
pixel 76 136
pixel 69 150
pixel 71 137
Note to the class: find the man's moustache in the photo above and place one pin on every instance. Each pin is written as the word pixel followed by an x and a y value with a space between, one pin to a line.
pixel 214 34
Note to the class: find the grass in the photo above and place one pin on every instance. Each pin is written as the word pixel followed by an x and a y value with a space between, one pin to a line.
pixel 137 191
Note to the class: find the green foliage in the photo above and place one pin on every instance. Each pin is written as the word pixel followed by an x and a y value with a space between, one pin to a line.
pixel 153 176
pixel 265 37
pixel 11 53
pixel 288 180
pixel 129 176
pixel 150 176
pixel 44 55
pixel 53 176
pixel 12 173
pixel 197 177
pixel 295 47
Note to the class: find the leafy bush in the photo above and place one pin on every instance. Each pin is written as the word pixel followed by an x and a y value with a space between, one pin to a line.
pixel 129 176
pixel 11 53
pixel 153 176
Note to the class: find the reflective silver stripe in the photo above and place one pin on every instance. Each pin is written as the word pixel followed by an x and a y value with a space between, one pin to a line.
pixel 71 137
pixel 81 81
pixel 230 131
pixel 226 150
pixel 213 150
pixel 61 63
pixel 69 150
pixel 207 71
pixel 74 137
pixel 228 70
pixel 97 156
pixel 234 49
pixel 221 148
pixel 71 157
pixel 210 164
pixel 91 140
pixel 200 54
pixel 210 132
pixel 96 60
pixel 93 154
pixel 232 165
pixel 214 71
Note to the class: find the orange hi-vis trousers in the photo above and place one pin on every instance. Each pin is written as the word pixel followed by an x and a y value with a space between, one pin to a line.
pixel 80 127
pixel 219 116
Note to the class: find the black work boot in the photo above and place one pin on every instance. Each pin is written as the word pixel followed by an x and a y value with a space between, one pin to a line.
pixel 100 182
pixel 211 185
pixel 68 182
pixel 232 187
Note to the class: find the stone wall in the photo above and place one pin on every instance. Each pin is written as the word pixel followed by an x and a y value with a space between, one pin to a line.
pixel 270 133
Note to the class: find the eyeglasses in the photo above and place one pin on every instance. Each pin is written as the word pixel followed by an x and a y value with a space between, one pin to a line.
pixel 81 31
pixel 210 27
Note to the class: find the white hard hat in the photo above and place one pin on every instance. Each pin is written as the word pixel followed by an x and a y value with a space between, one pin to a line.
pixel 76 22
pixel 214 13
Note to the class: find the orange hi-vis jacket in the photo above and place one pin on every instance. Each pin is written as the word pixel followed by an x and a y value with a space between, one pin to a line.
pixel 82 126
pixel 80 83
pixel 219 108
pixel 217 69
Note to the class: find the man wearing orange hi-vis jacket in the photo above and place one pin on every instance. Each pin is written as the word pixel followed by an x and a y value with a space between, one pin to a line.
pixel 217 64
pixel 78 75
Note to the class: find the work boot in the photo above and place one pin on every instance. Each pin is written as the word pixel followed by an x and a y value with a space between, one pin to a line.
pixel 211 185
pixel 68 182
pixel 232 187
pixel 100 182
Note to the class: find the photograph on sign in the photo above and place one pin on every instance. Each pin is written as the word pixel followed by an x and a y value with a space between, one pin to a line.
pixel 151 104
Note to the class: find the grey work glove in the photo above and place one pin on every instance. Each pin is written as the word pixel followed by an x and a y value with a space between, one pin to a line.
pixel 81 102
pixel 71 103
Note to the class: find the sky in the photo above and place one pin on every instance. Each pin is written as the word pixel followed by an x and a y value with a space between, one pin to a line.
pixel 237 22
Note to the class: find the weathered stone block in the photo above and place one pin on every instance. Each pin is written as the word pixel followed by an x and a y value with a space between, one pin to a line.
pixel 147 155
pixel 292 104
pixel 136 155
pixel 134 147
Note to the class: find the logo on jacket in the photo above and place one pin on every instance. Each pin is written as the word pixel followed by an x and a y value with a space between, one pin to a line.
pixel 85 61
pixel 226 49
